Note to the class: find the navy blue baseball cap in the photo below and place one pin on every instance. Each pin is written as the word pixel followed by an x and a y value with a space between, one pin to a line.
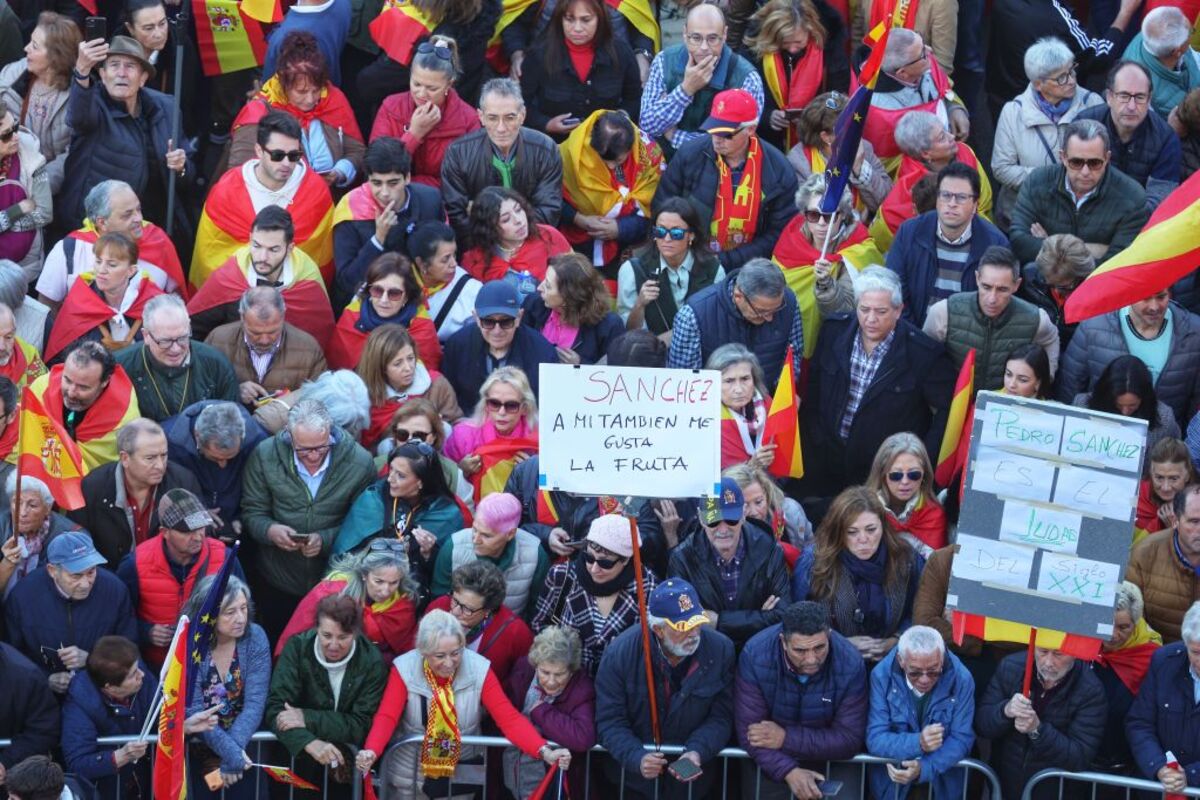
pixel 728 505
pixel 676 601
pixel 497 298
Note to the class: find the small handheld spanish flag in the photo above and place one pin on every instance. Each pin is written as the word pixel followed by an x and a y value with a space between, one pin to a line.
pixel 783 425
pixel 285 775
pixel 956 441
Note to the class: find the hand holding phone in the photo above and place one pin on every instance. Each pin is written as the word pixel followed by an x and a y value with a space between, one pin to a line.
pixel 685 770
pixel 95 28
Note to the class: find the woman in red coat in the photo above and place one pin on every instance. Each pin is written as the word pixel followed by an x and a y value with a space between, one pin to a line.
pixel 430 115
pixel 506 245
pixel 902 476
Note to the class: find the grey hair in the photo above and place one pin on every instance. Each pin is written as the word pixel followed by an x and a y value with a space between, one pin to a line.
pixel 264 301
pixel 1189 631
pixel 900 41
pixel 727 355
pixel 235 588
pixel 1085 130
pixel 220 424
pixel 502 87
pixel 97 203
pixel 814 186
pixel 355 567
pixel 760 277
pixel 920 640
pixel 1045 57
pixel 435 626
pixel 1165 30
pixel 1064 256
pixel 131 431
pixel 878 279
pixel 344 396
pixel 28 483
pixel 163 304
pixel 310 414
pixel 653 621
pixel 914 132
pixel 13 284
pixel 557 645
pixel 1129 598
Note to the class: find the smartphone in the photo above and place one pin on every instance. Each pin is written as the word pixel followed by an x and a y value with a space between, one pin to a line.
pixel 829 788
pixel 571 121
pixel 684 770
pixel 213 780
pixel 793 113
pixel 299 538
pixel 95 28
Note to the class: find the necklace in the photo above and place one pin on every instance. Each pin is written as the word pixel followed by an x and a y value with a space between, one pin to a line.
pixel 186 381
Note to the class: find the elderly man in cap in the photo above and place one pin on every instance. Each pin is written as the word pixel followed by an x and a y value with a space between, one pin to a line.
pixel 497 339
pixel 56 614
pixel 694 664
pixel 736 566
pixel 744 185
pixel 161 572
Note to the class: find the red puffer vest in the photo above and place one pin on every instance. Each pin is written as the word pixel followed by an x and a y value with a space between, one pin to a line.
pixel 160 595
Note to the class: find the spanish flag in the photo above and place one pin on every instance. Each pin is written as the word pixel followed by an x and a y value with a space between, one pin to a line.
pixel 956 441
pixel 499 459
pixel 1166 250
pixel 263 10
pixel 47 453
pixel 154 247
pixel 229 38
pixel 888 15
pixel 510 13
pixel 640 15
pixel 288 777
pixel 96 433
pixel 783 425
pixel 991 629
pixel 170 774
pixel 398 29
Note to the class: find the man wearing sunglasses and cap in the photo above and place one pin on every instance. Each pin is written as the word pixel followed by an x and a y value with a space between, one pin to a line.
pixel 693 667
pixel 744 185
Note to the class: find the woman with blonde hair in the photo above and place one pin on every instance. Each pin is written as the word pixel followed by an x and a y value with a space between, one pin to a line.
pixel 902 478
pixel 572 308
pixel 767 503
pixel 1123 662
pixel 394 374
pixel 507 409
pixel 1061 265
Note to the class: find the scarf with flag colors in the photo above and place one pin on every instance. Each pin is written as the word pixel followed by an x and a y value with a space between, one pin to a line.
pixel 332 108
pixel 735 216
pixel 794 91
pixel 398 29
pixel 593 189
pixel 154 247
pixel 1146 519
pixel 532 257
pixel 25 365
pixel 1166 250
pixel 956 441
pixel 170 772
pixel 1131 660
pixel 926 522
pixel 499 459
pixel 442 746
pixel 738 445
pixel 346 343
pixel 229 213
pixel 268 11
pixel 84 310
pixel 96 434
pixel 228 38
pixel 48 454
pixel 640 15
pixel 783 425
pixel 10 437
pixel 510 13
pixel 880 127
pixel 991 629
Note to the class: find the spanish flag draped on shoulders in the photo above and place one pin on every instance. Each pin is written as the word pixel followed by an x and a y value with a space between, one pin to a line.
pixel 96 432
pixel 155 248
pixel 238 196
pixel 359 319
pixel 24 366
pixel 935 88
pixel 84 310
pixel 304 293
pixel 795 255
pixel 897 207
pixel 332 108
pixel 591 188
pixel 510 12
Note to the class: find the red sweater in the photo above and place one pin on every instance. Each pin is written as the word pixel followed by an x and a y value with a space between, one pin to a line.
pixel 515 727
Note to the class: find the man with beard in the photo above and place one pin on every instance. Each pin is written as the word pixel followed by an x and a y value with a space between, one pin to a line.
pixel 271 259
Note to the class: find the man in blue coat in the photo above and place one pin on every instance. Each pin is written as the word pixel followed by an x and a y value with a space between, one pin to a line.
pixel 800 698
pixel 922 712
pixel 693 673
pixel 1165 715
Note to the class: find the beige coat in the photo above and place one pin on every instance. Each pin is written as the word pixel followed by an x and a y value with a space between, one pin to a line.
pixel 298 359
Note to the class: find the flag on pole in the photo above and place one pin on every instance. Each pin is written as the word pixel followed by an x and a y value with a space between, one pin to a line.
pixel 848 130
pixel 170 773
pixel 1166 250
pixel 287 776
pixel 49 454
pixel 991 629
pixel 956 440
pixel 783 425
pixel 200 642
pixel 228 39
pixel 263 10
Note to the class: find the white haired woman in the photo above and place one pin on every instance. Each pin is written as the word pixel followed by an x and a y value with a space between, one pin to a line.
pixel 343 393
pixel 744 404
pixel 456 685
pixel 37 524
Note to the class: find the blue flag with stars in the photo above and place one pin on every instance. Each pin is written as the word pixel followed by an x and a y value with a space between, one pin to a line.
pixel 847 133
pixel 204 625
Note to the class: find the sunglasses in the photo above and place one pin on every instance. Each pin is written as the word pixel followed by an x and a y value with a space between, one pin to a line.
pixel 7 136
pixel 403 435
pixel 291 155
pixel 676 234
pixel 834 101
pixel 813 216
pixel 441 51
pixel 602 563
pixel 913 475
pixel 384 545
pixel 917 674
pixel 378 292
pixel 511 406
pixel 505 323
pixel 1093 164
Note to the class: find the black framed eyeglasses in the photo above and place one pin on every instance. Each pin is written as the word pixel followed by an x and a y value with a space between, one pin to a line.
pixel 291 155
pixel 169 344
pixel 465 609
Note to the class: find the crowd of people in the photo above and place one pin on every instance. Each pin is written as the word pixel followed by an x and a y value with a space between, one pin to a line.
pixel 292 319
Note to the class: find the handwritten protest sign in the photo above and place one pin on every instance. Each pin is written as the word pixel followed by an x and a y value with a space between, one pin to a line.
pixel 1047 513
pixel 629 430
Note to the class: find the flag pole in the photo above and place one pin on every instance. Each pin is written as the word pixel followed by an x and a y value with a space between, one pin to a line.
pixel 157 701
pixel 17 489
pixel 1025 686
pixel 828 235
pixel 642 616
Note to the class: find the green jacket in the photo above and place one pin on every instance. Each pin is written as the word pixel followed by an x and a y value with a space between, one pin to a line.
pixel 301 681
pixel 272 492
pixel 367 518
pixel 1170 85
pixel 165 391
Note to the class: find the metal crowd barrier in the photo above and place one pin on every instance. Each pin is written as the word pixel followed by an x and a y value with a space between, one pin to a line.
pixel 1098 779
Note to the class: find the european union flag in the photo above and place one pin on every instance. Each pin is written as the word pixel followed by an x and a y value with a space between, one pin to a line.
pixel 203 628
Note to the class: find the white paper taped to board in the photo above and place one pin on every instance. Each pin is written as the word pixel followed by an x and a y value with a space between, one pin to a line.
pixel 990 561
pixel 1094 492
pixel 1009 475
pixel 1037 526
pixel 1080 579
pixel 1110 444
pixel 1018 426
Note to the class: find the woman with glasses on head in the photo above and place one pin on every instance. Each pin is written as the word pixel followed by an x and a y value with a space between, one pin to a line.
pixel 869 180
pixel 572 310
pixel 744 404
pixel 378 577
pixel 595 593
pixel 902 477
pixel 507 410
pixel 659 278
pixel 430 115
pixel 390 294
pixel 333 143
pixel 507 243
pixel 1027 372
pixel 494 631
pixel 394 373
pixel 766 502
pixel 448 289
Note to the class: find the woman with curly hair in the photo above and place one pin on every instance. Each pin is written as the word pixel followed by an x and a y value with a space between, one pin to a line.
pixel 506 242
pixel 572 310
pixel 394 374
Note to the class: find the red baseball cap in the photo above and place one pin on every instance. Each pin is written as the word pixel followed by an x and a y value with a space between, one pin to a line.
pixel 731 109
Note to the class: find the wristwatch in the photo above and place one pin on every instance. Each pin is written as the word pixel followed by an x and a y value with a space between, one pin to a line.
pixel 1036 733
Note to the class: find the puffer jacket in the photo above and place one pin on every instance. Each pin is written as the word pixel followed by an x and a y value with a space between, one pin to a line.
pixel 893 730
pixel 273 492
pixel 1169 586
pixel 1163 716
pixel 14 83
pixel 1027 139
pixel 1114 213
pixel 1099 340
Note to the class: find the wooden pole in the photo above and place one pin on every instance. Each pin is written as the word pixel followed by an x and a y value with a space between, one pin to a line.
pixel 642 616
pixel 16 506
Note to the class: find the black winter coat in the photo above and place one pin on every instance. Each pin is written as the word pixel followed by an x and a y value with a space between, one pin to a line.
pixel 614 83
pixel 28 711
pixel 465 360
pixel 1034 289
pixel 592 341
